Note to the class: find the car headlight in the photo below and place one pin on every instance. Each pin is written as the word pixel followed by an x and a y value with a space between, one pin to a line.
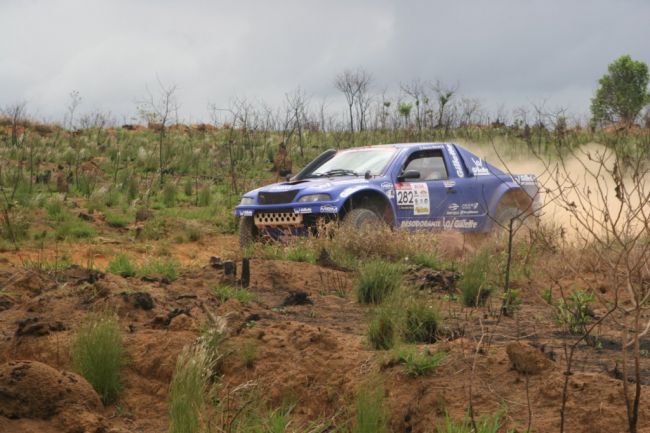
pixel 314 197
pixel 247 201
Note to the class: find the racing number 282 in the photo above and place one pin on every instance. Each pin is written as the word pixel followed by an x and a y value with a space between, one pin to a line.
pixel 405 198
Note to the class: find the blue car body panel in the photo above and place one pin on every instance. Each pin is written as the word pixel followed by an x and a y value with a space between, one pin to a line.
pixel 466 201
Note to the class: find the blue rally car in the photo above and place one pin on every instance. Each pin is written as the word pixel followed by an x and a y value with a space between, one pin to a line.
pixel 438 186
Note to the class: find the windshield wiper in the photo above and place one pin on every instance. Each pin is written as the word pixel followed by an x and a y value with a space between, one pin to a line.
pixel 339 172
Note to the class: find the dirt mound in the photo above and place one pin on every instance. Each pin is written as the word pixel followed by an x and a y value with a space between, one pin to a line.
pixel 527 359
pixel 36 391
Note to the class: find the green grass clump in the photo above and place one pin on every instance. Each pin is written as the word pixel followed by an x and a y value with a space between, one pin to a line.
pixel 225 292
pixel 377 279
pixel 371 413
pixel 381 330
pixel 166 268
pixel 428 260
pixel 418 363
pixel 117 220
pixel 474 284
pixel 121 265
pixel 74 230
pixel 187 391
pixel 98 354
pixel 421 323
pixel 169 193
pixel 486 424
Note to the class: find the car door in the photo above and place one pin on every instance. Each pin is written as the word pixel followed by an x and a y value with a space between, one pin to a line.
pixel 422 201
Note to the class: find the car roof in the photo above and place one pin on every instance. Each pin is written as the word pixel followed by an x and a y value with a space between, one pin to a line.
pixel 399 145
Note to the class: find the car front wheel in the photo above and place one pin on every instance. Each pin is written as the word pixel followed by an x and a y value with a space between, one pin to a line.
pixel 247 232
pixel 362 219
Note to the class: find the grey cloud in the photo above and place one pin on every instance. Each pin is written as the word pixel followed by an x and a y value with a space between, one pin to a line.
pixel 505 52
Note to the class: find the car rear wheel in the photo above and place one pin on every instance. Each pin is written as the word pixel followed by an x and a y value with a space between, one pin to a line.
pixel 362 219
pixel 248 233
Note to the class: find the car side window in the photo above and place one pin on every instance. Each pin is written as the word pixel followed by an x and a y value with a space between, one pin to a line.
pixel 429 163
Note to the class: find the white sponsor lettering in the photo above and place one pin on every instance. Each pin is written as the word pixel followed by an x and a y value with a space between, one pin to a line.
pixel 446 224
pixel 455 160
pixel 348 191
pixel 386 185
pixel 328 209
pixel 246 213
pixel 449 183
pixel 302 210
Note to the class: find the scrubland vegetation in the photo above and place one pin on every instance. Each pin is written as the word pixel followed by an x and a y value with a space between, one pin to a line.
pixel 107 233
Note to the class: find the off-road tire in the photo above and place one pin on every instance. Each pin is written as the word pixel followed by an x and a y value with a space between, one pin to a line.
pixel 362 219
pixel 247 232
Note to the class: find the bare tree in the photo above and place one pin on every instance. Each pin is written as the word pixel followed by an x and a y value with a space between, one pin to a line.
pixel 156 110
pixel 16 114
pixel 297 105
pixel 417 90
pixel 355 86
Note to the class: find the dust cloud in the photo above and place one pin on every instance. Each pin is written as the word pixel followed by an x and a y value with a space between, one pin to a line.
pixel 593 191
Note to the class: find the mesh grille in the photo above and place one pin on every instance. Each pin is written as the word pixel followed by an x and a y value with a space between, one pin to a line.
pixel 277 219
pixel 276 197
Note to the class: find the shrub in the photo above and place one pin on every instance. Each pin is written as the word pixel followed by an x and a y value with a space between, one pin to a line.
pixel 204 197
pixel 55 209
pixel 225 292
pixel 417 363
pixel 473 284
pixel 98 354
pixel 166 268
pixel 187 399
pixel 169 195
pixel 511 301
pixel 381 330
pixel 121 265
pixel 117 220
pixel 428 260
pixel 421 323
pixel 371 414
pixel 377 279
pixel 574 312
pixel 188 187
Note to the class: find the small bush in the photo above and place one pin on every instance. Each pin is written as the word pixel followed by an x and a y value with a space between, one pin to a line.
pixel 225 292
pixel 381 330
pixel 169 195
pixel 418 363
pixel 371 413
pixel 511 301
pixel 121 265
pixel 98 354
pixel 166 268
pixel 474 285
pixel 187 391
pixel 117 220
pixel 377 279
pixel 205 197
pixel 574 312
pixel 188 188
pixel 55 209
pixel 429 260
pixel 421 323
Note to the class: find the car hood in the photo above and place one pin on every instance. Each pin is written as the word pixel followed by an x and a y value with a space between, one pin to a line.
pixel 330 185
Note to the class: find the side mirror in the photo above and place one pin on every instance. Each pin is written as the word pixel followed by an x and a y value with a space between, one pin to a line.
pixel 408 174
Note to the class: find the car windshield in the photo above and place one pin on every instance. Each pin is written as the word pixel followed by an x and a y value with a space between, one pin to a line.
pixel 355 163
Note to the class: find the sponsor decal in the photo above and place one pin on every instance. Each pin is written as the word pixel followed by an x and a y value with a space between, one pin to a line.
pixel 245 213
pixel 455 160
pixel 469 209
pixel 280 188
pixel 414 196
pixel 449 183
pixel 386 185
pixel 525 179
pixel 328 209
pixel 479 169
pixel 302 210
pixel 348 191
pixel 390 194
pixel 453 207
pixel 446 224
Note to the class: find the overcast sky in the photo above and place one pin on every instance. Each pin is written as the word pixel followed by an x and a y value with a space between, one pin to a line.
pixel 504 52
